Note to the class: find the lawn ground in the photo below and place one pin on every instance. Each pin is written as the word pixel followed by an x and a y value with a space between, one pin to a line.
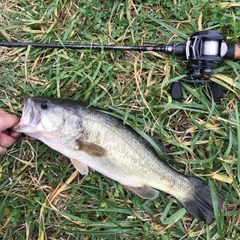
pixel 41 194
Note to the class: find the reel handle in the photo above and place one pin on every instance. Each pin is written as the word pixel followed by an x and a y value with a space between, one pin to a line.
pixel 176 91
pixel 217 91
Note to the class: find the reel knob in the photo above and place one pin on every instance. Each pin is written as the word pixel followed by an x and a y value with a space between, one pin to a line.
pixel 176 91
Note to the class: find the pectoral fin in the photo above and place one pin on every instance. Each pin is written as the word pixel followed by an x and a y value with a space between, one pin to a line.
pixel 144 192
pixel 91 149
pixel 81 167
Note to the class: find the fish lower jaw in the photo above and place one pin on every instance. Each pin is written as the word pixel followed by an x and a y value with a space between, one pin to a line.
pixel 25 128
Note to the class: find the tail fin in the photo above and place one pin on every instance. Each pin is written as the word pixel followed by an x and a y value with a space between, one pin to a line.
pixel 200 205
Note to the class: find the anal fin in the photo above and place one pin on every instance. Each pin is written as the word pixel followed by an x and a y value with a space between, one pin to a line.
pixel 81 167
pixel 145 192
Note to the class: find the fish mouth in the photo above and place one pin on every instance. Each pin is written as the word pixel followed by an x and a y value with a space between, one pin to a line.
pixel 30 117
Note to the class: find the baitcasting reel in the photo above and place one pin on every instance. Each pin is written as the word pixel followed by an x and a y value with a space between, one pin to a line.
pixel 203 51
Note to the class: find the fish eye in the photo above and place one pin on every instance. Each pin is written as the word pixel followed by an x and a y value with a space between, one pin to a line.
pixel 45 104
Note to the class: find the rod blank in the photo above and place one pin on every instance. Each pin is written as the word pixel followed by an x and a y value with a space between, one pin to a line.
pixel 159 48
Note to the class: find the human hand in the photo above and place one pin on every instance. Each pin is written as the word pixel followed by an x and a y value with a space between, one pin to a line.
pixel 7 136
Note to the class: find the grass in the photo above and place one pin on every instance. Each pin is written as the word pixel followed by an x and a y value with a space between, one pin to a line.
pixel 41 194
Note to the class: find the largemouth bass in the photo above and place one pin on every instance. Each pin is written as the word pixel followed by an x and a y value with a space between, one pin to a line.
pixel 91 138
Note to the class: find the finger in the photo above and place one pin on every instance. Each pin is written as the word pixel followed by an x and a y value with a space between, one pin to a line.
pixel 6 140
pixel 9 120
pixel 14 134
pixel 2 150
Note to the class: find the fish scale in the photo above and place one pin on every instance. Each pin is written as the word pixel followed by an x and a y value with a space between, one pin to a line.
pixel 131 160
pixel 92 138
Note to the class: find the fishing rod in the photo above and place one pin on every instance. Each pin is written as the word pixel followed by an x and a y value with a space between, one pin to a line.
pixel 173 49
pixel 203 51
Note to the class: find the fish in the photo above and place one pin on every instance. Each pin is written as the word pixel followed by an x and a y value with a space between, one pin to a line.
pixel 92 138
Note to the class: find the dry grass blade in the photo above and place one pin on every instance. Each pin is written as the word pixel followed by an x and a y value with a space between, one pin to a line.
pixel 40 194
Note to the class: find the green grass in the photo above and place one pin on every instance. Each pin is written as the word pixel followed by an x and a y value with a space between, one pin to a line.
pixel 41 195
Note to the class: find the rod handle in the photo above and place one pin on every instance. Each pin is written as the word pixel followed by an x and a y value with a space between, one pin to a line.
pixel 233 52
pixel 237 51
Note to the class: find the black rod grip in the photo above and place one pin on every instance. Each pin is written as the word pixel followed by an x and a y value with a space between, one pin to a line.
pixel 233 52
